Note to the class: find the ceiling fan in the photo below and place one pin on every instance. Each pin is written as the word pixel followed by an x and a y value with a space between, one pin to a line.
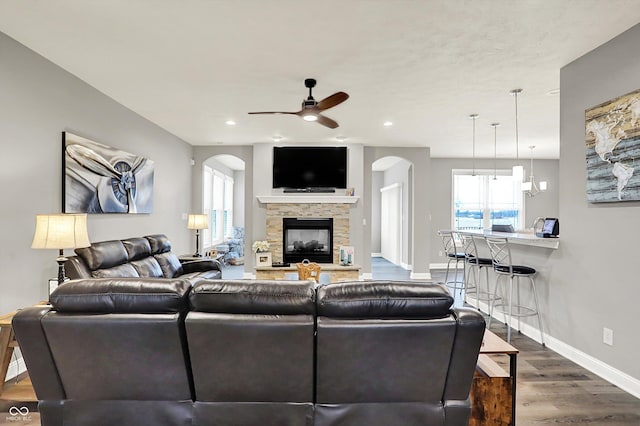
pixel 311 108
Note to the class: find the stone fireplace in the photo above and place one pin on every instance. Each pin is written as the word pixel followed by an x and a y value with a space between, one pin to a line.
pixel 276 212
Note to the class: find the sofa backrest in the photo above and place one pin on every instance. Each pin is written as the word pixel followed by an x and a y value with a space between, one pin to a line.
pixel 148 256
pixel 252 342
pixel 393 353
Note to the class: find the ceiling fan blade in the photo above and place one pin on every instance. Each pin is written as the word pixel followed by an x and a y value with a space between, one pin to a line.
pixel 326 121
pixel 333 100
pixel 275 112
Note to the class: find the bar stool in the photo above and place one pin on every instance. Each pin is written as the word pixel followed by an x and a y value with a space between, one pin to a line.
pixel 453 255
pixel 504 267
pixel 474 266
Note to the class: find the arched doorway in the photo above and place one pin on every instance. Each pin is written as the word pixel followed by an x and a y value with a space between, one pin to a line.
pixel 391 210
pixel 223 200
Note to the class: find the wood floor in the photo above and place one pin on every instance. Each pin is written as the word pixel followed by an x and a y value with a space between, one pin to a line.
pixel 550 390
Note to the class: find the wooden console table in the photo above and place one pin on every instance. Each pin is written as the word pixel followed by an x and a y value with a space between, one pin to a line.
pixel 336 272
pixel 493 391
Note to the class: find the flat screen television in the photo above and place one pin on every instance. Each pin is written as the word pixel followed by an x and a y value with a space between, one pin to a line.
pixel 309 167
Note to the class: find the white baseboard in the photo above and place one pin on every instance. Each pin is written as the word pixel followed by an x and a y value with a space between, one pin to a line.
pixel 420 275
pixel 406 266
pixel 16 368
pixel 366 276
pixel 248 276
pixel 614 376
pixel 438 266
pixel 376 254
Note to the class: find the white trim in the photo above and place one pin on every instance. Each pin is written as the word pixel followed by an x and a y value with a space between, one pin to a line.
pixel 310 198
pixel 376 254
pixel 16 368
pixel 438 266
pixel 420 275
pixel 366 276
pixel 406 266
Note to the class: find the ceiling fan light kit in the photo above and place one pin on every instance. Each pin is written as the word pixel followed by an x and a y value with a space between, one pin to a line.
pixel 311 108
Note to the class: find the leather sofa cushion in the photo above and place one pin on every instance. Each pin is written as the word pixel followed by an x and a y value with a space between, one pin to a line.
pixel 120 271
pixel 104 254
pixel 169 264
pixel 121 295
pixel 383 299
pixel 147 267
pixel 137 248
pixel 159 243
pixel 254 297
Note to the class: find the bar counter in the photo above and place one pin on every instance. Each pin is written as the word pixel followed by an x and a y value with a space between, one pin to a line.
pixel 523 237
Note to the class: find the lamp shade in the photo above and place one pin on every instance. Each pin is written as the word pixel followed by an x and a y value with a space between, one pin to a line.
pixel 197 221
pixel 60 231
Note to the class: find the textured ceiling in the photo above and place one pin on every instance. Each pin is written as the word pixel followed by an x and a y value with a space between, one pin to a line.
pixel 425 65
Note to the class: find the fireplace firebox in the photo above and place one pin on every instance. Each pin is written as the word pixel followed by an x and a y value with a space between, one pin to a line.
pixel 307 238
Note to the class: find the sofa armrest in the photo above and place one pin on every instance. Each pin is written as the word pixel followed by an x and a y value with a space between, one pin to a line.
pixel 27 327
pixel 201 266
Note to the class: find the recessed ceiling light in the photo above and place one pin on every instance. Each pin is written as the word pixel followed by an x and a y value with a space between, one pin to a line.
pixel 387 123
pixel 230 123
pixel 276 138
pixel 341 138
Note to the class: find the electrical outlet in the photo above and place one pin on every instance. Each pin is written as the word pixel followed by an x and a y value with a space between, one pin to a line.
pixel 607 336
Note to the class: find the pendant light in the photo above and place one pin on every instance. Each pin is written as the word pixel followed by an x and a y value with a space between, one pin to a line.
pixel 495 150
pixel 517 170
pixel 473 117
pixel 530 187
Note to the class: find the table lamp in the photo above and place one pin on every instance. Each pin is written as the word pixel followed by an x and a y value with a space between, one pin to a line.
pixel 60 231
pixel 197 222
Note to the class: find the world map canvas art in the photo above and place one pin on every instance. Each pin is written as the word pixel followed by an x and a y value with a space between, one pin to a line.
pixel 612 131
pixel 101 179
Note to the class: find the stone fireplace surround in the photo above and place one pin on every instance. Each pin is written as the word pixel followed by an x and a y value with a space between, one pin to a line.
pixel 307 207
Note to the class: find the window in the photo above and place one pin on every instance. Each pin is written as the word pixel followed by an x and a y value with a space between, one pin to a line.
pixel 486 199
pixel 218 204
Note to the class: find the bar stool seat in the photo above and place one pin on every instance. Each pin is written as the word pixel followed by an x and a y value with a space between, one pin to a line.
pixel 504 267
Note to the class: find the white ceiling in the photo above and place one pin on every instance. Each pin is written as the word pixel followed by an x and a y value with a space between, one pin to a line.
pixel 425 65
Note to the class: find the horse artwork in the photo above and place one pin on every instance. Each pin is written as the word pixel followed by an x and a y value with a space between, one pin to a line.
pixel 101 179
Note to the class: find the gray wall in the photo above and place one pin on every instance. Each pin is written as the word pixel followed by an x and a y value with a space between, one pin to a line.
pixel 594 283
pixel 377 182
pixel 441 183
pixel 39 101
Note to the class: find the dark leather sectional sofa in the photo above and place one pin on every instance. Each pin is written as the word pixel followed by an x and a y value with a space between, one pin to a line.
pixel 147 257
pixel 121 351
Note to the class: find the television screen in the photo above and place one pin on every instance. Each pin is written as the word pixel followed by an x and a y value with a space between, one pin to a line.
pixel 309 167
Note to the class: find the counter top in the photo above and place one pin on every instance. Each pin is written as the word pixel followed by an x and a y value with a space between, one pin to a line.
pixel 525 238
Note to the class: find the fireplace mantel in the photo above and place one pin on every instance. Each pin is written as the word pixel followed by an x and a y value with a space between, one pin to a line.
pixel 307 199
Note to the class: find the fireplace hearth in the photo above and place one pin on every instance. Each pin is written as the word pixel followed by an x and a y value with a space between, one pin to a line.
pixel 307 238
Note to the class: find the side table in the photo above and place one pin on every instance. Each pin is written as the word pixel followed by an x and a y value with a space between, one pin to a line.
pixel 22 391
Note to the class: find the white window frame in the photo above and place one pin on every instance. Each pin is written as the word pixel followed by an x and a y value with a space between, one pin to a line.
pixel 217 201
pixel 485 202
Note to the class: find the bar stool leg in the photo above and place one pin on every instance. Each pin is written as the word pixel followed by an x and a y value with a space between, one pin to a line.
pixel 535 298
pixel 519 304
pixel 510 308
